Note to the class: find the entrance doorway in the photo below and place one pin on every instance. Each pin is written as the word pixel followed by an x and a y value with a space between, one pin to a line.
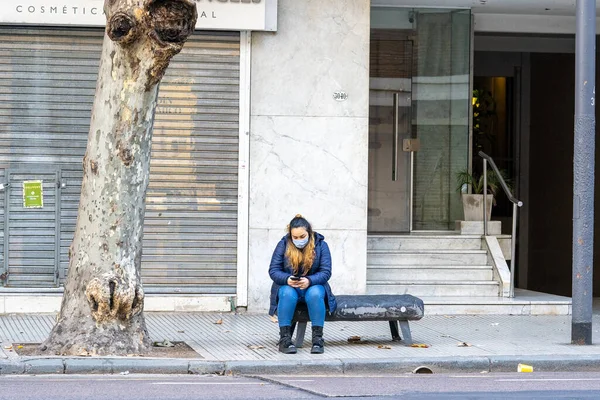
pixel 494 126
pixel 501 129
pixel 31 227
pixel 418 117
pixel 390 132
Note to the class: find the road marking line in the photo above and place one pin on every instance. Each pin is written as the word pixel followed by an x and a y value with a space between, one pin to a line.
pixel 350 376
pixel 41 379
pixel 210 383
pixel 548 380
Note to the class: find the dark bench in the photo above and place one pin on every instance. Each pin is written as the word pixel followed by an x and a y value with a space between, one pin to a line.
pixel 395 309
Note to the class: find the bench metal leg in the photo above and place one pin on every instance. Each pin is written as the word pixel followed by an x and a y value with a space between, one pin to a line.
pixel 406 332
pixel 300 334
pixel 394 329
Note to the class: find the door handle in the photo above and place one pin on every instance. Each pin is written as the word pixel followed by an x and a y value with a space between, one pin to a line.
pixel 395 138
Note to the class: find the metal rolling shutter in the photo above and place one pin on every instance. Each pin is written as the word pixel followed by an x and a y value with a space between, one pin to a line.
pixel 32 232
pixel 47 83
pixel 190 232
pixel 3 272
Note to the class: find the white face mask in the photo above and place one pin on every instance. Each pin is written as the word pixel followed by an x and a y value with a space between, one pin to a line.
pixel 300 243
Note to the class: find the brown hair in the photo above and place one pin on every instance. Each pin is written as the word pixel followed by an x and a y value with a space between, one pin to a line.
pixel 300 257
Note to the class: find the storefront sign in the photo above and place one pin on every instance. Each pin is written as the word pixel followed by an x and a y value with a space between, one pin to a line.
pixel 231 15
pixel 33 194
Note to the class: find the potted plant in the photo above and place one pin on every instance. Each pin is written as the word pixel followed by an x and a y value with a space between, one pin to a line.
pixel 473 203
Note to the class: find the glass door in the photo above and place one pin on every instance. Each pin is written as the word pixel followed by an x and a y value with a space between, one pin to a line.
pixel 390 133
pixel 419 120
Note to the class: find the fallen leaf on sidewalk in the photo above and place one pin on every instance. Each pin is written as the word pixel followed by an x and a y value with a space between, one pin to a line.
pixel 8 347
pixel 219 322
pixel 381 346
pixel 255 347
pixel 354 339
pixel 19 347
pixel 180 331
pixel 420 345
pixel 464 344
pixel 164 343
pixel 84 353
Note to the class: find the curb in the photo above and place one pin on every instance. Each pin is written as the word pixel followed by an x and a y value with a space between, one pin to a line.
pixel 408 365
pixel 206 367
pixel 11 367
pixel 284 367
pixel 570 362
pixel 126 365
pixel 40 366
pixel 116 365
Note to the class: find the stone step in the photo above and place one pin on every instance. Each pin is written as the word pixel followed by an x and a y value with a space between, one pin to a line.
pixel 427 257
pixel 432 288
pixel 496 309
pixel 423 242
pixel 522 304
pixel 431 273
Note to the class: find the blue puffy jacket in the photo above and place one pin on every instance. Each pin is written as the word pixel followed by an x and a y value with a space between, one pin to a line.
pixel 320 272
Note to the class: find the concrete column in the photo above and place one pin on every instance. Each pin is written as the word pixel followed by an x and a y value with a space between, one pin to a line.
pixel 309 152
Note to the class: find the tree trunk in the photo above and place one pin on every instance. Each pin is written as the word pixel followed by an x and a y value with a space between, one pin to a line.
pixel 101 311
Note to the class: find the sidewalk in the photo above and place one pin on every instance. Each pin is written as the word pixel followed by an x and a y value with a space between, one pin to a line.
pixel 245 344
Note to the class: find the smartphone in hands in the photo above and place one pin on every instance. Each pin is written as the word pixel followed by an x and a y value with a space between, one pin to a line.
pixel 295 278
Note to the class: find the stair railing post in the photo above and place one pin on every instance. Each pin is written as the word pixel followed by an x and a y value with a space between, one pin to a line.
pixel 513 250
pixel 485 230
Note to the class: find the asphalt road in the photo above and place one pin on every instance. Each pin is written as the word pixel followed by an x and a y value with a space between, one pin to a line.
pixel 167 387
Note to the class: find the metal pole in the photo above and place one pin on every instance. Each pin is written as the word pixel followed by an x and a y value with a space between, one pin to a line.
pixel 395 138
pixel 412 190
pixel 583 172
pixel 485 231
pixel 513 250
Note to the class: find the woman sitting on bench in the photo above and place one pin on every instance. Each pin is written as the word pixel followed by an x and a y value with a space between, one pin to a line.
pixel 300 268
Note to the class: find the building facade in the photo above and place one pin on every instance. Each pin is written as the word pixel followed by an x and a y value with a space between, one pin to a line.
pixel 356 114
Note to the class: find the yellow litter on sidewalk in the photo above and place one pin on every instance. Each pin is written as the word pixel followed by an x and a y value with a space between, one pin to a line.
pixel 524 368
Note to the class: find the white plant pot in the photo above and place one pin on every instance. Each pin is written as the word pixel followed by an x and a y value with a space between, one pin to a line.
pixel 473 206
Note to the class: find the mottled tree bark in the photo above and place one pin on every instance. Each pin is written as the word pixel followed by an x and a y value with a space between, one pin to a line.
pixel 102 306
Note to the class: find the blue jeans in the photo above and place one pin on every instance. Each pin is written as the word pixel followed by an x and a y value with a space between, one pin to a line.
pixel 314 297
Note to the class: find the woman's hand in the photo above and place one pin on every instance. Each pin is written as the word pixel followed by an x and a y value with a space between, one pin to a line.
pixel 303 283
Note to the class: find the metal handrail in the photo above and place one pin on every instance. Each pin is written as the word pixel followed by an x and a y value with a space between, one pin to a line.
pixel 489 159
pixel 516 204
